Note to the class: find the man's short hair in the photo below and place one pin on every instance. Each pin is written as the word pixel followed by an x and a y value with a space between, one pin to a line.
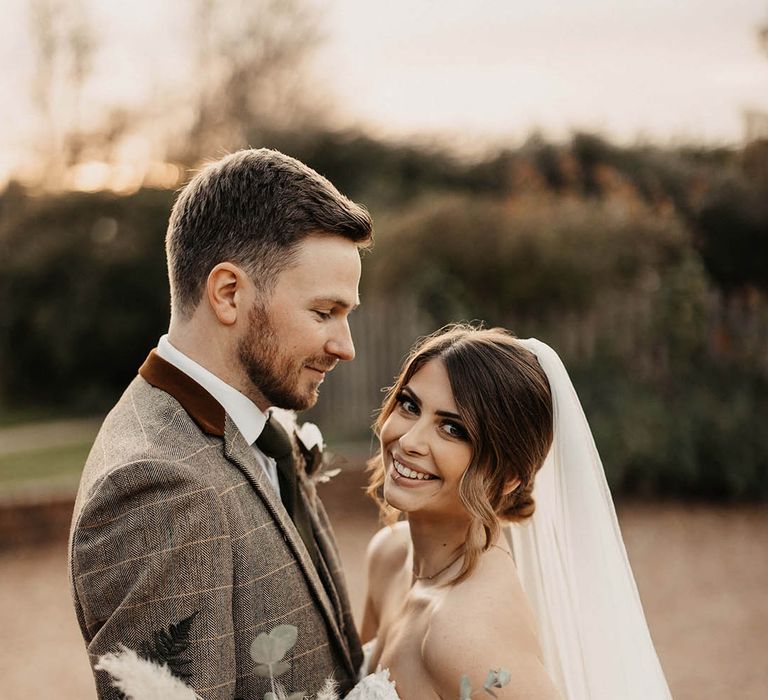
pixel 252 208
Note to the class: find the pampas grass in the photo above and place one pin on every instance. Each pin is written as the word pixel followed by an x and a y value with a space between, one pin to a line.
pixel 139 679
pixel 328 691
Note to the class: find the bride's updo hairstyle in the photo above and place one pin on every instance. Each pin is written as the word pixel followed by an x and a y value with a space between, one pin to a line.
pixel 505 403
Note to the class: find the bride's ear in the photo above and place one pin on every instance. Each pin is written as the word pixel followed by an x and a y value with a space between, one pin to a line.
pixel 511 485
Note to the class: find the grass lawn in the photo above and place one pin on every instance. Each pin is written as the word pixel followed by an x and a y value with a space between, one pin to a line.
pixel 12 417
pixel 49 463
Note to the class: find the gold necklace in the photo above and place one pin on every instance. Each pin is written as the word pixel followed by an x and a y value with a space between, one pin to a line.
pixel 437 573
pixel 452 562
pixel 509 554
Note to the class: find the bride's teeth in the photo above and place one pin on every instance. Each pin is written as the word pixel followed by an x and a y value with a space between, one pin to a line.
pixel 409 473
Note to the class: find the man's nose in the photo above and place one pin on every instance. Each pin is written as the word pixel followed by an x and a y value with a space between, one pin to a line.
pixel 341 344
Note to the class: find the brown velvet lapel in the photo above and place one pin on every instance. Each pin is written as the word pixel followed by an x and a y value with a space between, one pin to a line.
pixel 204 409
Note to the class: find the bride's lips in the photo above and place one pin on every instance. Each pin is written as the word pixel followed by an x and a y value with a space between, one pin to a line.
pixel 404 476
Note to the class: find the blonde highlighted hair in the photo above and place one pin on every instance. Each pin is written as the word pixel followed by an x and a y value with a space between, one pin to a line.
pixel 505 403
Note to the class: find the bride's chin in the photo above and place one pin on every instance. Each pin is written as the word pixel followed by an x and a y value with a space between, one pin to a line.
pixel 393 499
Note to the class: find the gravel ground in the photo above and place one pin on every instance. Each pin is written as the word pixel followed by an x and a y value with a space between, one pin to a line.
pixel 702 574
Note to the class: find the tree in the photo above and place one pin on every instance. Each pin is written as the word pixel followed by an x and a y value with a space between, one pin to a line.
pixel 249 68
pixel 64 43
pixel 246 77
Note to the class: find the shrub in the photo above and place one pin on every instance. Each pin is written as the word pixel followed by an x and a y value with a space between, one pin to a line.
pixel 460 257
pixel 83 296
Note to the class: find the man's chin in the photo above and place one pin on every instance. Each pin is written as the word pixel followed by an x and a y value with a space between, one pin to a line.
pixel 311 397
pixel 299 402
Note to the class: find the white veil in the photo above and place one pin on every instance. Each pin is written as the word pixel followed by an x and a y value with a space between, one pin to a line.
pixel 574 569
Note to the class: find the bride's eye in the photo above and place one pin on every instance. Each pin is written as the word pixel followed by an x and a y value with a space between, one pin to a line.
pixel 407 404
pixel 456 430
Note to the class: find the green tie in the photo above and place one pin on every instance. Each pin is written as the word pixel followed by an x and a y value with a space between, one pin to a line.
pixel 274 442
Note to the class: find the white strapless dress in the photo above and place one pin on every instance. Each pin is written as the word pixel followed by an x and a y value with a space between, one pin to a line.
pixel 373 686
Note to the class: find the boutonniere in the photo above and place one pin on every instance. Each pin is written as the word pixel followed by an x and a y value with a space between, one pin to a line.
pixel 312 448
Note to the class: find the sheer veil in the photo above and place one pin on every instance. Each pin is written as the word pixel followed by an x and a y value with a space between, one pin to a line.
pixel 574 569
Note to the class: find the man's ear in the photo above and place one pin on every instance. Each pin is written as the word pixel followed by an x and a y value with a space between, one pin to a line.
pixel 511 485
pixel 226 289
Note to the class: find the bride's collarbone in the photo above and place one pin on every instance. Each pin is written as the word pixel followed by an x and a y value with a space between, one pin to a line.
pixel 422 621
pixel 406 601
pixel 406 613
pixel 414 603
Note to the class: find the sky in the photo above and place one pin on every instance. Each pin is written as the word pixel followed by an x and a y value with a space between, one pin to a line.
pixel 469 72
pixel 630 68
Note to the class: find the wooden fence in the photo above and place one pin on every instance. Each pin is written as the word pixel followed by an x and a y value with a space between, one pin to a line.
pixel 734 330
pixel 353 392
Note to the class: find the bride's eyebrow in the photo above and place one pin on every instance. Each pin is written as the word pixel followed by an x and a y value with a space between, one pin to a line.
pixel 409 392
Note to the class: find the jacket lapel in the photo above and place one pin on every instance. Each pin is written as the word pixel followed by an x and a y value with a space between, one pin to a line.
pixel 240 453
pixel 337 588
pixel 209 414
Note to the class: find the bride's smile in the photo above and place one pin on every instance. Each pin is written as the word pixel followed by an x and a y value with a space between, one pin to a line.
pixel 402 469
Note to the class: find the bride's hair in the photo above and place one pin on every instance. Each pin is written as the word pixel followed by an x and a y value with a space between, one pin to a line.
pixel 505 403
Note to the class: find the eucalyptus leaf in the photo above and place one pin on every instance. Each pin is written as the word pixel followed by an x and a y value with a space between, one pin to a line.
pixel 285 636
pixel 262 670
pixel 465 688
pixel 270 696
pixel 503 677
pixel 266 650
pixel 280 667
pixel 490 680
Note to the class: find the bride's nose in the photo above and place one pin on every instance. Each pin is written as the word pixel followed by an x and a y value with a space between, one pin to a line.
pixel 415 440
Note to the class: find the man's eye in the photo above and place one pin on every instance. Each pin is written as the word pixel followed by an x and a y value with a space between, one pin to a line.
pixel 324 315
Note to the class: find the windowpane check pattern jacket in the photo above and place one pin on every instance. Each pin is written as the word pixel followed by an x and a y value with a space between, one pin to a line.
pixel 174 517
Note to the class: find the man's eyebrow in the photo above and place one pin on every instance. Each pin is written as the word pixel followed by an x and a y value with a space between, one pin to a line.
pixel 336 302
pixel 417 401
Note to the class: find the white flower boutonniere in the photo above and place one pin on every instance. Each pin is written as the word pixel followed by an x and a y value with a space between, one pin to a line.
pixel 310 443
pixel 310 436
pixel 312 446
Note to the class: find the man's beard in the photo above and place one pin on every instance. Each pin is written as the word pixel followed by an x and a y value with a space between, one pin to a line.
pixel 276 376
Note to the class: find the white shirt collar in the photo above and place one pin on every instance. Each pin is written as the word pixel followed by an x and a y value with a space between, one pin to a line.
pixel 245 414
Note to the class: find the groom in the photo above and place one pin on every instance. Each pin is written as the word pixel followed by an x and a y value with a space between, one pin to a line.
pixel 195 527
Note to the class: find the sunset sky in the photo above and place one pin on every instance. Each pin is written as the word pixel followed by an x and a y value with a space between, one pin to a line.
pixel 467 71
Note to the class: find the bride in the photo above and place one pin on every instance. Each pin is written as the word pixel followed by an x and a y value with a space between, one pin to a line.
pixel 509 553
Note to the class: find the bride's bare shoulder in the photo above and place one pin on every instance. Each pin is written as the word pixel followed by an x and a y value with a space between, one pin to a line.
pixel 486 623
pixel 388 548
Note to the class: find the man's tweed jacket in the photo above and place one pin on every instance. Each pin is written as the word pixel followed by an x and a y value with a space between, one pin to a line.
pixel 174 518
